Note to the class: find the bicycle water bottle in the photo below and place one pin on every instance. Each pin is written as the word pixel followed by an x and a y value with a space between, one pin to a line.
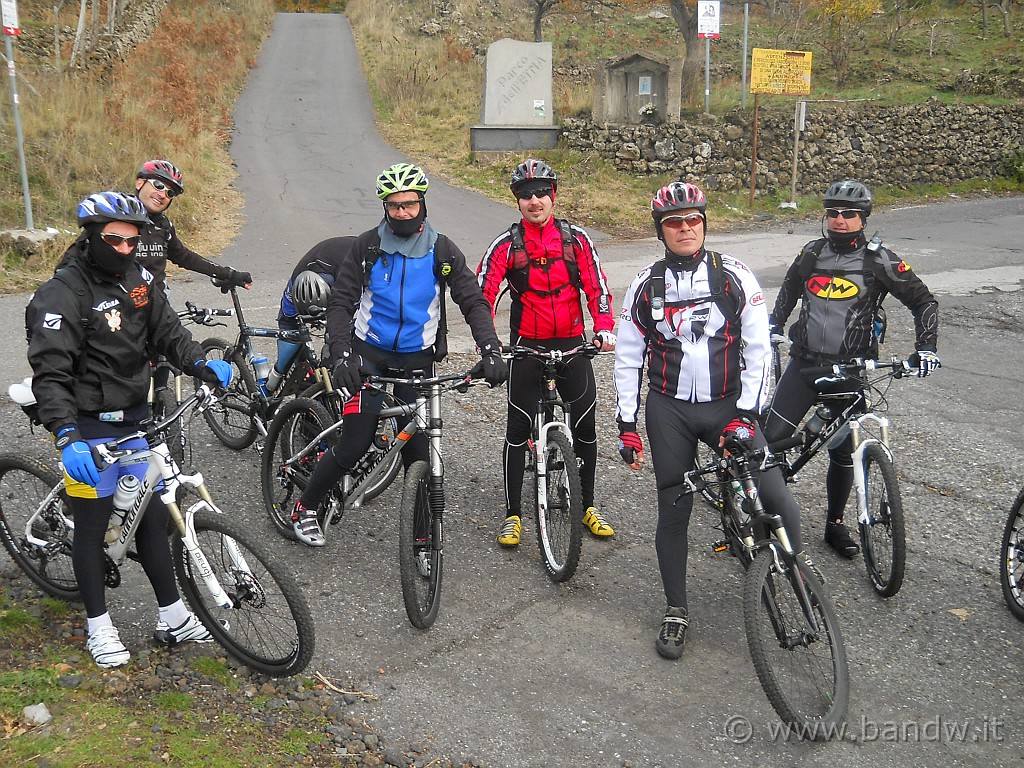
pixel 261 367
pixel 124 498
pixel 738 499
pixel 818 420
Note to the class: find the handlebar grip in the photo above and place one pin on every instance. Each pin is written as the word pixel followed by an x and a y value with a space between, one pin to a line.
pixel 817 371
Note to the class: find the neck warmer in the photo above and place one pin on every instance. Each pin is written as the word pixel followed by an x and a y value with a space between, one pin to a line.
pixel 415 246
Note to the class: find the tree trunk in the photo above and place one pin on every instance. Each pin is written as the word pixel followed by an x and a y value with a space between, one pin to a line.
pixel 79 33
pixel 686 20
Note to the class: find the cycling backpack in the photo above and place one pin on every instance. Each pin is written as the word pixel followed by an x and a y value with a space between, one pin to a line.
pixel 368 244
pixel 84 295
pixel 518 275
pixel 727 303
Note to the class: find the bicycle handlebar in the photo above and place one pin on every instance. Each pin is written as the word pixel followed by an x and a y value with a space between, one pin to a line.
pixel 899 368
pixel 460 381
pixel 203 315
pixel 762 458
pixel 514 352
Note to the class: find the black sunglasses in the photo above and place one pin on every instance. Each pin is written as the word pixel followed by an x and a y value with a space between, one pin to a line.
pixel 167 189
pixel 846 213
pixel 538 193
pixel 115 240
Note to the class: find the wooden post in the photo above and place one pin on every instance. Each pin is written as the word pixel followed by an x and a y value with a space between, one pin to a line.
pixel 753 159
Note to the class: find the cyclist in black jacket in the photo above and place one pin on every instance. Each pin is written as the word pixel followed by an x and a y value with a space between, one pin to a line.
pixel 840 282
pixel 91 329
pixel 157 183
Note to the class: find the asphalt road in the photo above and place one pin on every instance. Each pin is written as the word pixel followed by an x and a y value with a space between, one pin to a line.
pixel 518 671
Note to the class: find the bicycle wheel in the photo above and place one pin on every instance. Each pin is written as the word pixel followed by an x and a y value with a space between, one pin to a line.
pixel 560 525
pixel 387 429
pixel 24 485
pixel 268 626
pixel 1011 561
pixel 294 426
pixel 883 538
pixel 231 418
pixel 420 557
pixel 802 669
pixel 712 492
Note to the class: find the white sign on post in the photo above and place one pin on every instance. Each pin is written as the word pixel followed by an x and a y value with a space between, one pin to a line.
pixel 708 13
pixel 10 17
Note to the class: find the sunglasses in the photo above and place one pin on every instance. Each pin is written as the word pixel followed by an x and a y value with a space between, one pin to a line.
pixel 411 205
pixel 846 213
pixel 674 222
pixel 115 240
pixel 538 193
pixel 167 189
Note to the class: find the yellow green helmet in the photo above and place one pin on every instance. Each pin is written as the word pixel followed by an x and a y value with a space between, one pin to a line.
pixel 401 177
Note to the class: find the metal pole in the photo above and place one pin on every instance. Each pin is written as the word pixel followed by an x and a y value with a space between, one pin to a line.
pixel 17 127
pixel 753 158
pixel 707 75
pixel 796 152
pixel 746 27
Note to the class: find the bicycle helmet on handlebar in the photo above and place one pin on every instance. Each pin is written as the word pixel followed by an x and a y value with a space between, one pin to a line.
pixel 164 170
pixel 310 290
pixel 849 194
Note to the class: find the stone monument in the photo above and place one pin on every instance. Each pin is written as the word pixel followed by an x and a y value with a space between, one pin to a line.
pixel 517 107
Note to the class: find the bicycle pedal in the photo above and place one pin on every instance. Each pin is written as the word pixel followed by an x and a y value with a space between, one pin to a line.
pixel 720 546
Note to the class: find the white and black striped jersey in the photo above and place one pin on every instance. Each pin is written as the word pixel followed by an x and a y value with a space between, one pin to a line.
pixel 703 349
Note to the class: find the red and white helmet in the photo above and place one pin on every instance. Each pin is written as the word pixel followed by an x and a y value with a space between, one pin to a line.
pixel 678 196
pixel 164 170
pixel 533 170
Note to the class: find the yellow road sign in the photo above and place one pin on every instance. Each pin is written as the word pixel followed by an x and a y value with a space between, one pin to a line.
pixel 780 72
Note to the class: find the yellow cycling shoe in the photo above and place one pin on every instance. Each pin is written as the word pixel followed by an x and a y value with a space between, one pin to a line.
pixel 592 519
pixel 510 531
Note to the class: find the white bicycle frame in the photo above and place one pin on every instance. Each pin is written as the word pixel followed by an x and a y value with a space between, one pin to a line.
pixel 160 466
pixel 540 450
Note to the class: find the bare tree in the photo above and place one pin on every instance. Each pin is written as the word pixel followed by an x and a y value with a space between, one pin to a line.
pixel 80 38
pixel 901 15
pixel 684 13
pixel 844 32
pixel 540 10
pixel 1004 7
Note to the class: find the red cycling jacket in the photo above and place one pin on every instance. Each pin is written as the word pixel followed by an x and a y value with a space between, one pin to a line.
pixel 550 307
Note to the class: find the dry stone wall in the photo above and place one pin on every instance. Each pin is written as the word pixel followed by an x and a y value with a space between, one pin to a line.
pixel 894 146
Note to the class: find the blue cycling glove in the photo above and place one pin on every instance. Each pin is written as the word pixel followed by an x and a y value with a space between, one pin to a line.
pixel 76 456
pixel 217 372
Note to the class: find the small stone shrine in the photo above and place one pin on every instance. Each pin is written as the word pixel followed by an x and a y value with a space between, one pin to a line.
pixel 638 88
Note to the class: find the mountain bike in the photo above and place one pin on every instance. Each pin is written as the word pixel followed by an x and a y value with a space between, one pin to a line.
pixel 790 623
pixel 1011 560
pixel 244 413
pixel 858 411
pixel 168 385
pixel 557 486
pixel 250 603
pixel 294 446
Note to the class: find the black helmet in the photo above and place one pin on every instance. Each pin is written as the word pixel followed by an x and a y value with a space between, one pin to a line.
pixel 309 290
pixel 849 194
pixel 533 170
pixel 104 207
pixel 164 170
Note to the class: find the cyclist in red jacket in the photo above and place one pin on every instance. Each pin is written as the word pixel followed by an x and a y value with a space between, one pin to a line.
pixel 549 265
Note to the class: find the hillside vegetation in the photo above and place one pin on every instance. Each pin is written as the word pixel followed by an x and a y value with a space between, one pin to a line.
pixel 425 66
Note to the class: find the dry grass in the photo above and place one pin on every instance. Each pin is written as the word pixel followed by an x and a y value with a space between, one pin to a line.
pixel 172 98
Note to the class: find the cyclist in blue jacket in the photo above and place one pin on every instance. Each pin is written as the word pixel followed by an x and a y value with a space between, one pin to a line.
pixel 385 316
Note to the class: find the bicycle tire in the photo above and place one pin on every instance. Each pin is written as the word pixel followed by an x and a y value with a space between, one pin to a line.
pixel 806 680
pixel 231 418
pixel 387 431
pixel 270 627
pixel 24 484
pixel 421 593
pixel 296 423
pixel 1011 562
pixel 560 528
pixel 884 540
pixel 712 491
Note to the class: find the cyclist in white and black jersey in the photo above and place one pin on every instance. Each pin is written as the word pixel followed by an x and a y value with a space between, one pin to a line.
pixel 708 364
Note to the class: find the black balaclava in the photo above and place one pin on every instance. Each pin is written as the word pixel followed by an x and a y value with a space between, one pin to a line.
pixel 106 258
pixel 408 227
